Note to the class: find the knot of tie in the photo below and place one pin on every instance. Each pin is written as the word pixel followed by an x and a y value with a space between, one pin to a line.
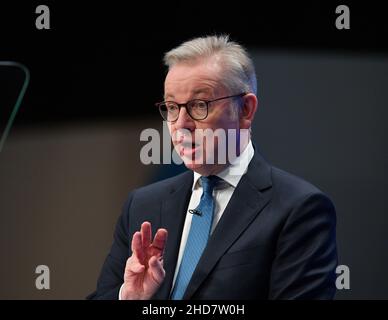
pixel 208 183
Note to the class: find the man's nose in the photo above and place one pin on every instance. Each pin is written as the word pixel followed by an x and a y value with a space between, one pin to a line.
pixel 184 120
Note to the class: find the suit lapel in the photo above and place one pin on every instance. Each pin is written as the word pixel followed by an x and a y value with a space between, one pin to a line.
pixel 246 203
pixel 173 214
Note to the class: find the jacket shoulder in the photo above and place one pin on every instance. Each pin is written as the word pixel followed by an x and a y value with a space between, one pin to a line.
pixel 162 187
pixel 290 186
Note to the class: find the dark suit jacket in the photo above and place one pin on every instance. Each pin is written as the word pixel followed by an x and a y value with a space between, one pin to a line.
pixel 275 240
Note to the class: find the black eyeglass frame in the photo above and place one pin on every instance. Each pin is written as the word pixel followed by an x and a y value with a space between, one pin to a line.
pixel 180 105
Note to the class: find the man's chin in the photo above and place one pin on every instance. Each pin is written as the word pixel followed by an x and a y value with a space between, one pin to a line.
pixel 192 165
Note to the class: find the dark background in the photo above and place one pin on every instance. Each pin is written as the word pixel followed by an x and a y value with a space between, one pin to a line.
pixel 72 154
pixel 104 54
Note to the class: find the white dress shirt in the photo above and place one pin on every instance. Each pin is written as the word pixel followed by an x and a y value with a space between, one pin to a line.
pixel 222 193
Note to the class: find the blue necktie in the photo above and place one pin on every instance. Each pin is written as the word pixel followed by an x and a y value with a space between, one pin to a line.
pixel 198 236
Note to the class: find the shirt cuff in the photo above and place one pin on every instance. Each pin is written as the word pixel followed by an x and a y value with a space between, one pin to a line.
pixel 121 288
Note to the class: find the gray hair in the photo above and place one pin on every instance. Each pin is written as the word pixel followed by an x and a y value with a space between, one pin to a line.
pixel 239 72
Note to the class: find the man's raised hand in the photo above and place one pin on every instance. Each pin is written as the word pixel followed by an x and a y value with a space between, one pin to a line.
pixel 144 272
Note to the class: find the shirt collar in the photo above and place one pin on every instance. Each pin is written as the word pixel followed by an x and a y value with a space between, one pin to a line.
pixel 237 168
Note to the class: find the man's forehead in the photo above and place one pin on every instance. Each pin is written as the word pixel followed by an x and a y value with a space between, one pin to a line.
pixel 197 79
pixel 197 67
pixel 193 92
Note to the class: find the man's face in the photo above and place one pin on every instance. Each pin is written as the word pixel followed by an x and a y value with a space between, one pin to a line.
pixel 186 82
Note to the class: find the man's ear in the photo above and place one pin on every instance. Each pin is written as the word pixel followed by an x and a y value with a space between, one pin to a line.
pixel 248 110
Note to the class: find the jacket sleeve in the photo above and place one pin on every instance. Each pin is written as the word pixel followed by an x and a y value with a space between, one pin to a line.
pixel 306 256
pixel 112 274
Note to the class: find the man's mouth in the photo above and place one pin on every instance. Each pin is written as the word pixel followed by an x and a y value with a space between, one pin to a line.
pixel 189 144
pixel 188 149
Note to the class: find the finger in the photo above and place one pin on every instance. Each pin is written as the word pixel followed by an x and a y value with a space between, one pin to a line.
pixel 160 240
pixel 146 234
pixel 157 271
pixel 137 246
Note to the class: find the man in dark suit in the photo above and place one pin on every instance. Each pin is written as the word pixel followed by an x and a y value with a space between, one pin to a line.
pixel 234 229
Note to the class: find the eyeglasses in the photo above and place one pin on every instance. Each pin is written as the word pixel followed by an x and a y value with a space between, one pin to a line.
pixel 197 109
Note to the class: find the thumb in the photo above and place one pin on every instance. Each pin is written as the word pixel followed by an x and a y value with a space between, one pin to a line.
pixel 133 267
pixel 156 269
